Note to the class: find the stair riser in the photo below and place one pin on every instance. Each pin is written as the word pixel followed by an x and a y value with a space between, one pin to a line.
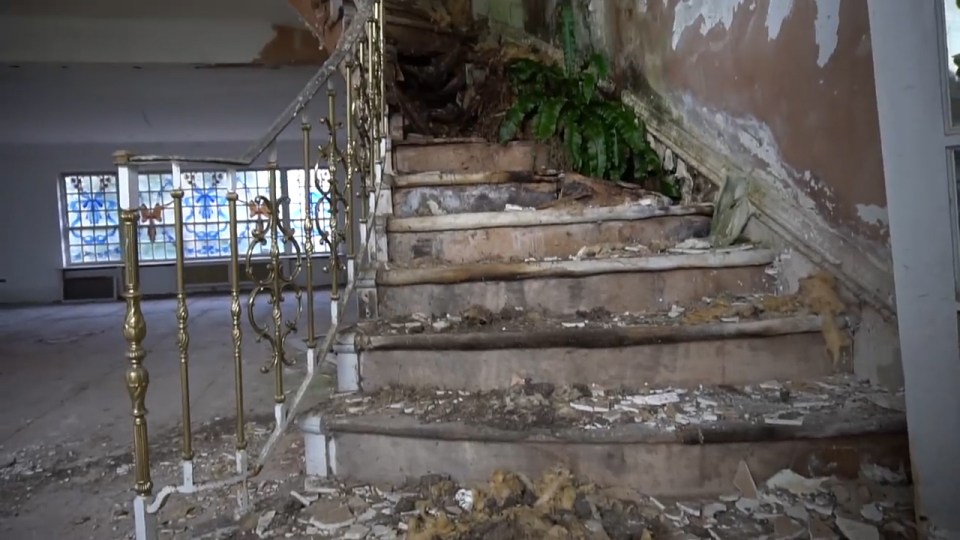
pixel 617 292
pixel 519 243
pixel 410 202
pixel 656 469
pixel 723 361
pixel 469 157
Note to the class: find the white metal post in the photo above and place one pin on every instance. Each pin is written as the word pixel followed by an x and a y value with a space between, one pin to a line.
pixel 909 67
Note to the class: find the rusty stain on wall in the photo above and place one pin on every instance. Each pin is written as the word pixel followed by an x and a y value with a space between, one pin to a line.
pixel 292 46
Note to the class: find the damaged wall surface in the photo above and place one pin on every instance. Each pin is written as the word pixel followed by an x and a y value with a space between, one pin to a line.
pixel 779 90
pixel 783 88
pixel 141 32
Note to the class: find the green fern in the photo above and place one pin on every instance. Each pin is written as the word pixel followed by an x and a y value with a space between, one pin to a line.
pixel 602 137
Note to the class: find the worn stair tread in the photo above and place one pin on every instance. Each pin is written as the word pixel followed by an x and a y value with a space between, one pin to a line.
pixel 445 155
pixel 453 179
pixel 833 407
pixel 392 275
pixel 588 337
pixel 533 218
pixel 419 140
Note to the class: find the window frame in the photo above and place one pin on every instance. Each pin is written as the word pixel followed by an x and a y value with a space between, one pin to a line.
pixel 283 189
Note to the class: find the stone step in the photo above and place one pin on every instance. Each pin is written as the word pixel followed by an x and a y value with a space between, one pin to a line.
pixel 522 235
pixel 439 155
pixel 783 346
pixel 663 442
pixel 628 284
pixel 434 193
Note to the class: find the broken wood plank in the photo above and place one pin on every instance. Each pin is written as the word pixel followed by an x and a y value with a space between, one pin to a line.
pixel 395 277
pixel 446 179
pixel 535 218
pixel 590 338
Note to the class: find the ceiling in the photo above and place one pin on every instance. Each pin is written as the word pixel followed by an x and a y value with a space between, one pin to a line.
pixel 272 11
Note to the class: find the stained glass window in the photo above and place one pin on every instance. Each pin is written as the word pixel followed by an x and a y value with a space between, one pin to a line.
pixel 93 234
pixel 297 213
pixel 91 210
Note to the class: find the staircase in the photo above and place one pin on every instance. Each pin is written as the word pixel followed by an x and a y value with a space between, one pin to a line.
pixel 517 325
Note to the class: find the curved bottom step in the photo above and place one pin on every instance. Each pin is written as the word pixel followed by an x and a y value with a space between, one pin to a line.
pixel 469 436
pixel 743 352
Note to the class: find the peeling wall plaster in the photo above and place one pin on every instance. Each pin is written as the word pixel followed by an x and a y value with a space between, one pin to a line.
pixel 705 14
pixel 780 89
pixel 777 12
pixel 827 26
pixel 873 215
pixel 782 84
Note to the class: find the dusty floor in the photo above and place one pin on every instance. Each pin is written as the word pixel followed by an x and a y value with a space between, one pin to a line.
pixel 65 430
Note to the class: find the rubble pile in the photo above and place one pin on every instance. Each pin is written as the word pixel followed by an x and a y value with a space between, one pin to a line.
pixel 531 405
pixel 606 250
pixel 559 506
pixel 726 309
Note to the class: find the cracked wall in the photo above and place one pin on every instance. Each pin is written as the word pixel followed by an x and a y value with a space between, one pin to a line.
pixel 782 90
pixel 784 86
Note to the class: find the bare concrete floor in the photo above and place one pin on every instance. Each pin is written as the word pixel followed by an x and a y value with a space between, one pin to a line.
pixel 64 400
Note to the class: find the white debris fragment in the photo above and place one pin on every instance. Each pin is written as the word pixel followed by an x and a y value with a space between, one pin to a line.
pixel 588 408
pixel 694 243
pixel 857 530
pixel 263 523
pixel 517 208
pixel 730 319
pixel 465 498
pixel 711 510
pixel 794 483
pixel 882 475
pixel 657 399
pixel 675 311
pixel 871 512
pixel 304 500
pixel 748 506
pixel 784 418
pixel 580 324
pixel 689 509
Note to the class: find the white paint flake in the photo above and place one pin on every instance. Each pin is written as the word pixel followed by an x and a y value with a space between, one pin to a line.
pixel 827 28
pixel 704 15
pixel 872 214
pixel 777 12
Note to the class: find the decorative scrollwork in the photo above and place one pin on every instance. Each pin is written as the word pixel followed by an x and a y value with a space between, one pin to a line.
pixel 275 283
pixel 336 164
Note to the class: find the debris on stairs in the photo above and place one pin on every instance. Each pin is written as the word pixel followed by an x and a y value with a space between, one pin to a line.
pixel 558 504
pixel 552 346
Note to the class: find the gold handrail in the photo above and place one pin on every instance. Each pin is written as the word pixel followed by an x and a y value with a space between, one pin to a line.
pixel 360 55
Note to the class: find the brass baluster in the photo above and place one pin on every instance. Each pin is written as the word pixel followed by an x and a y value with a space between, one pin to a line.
pixel 332 155
pixel 183 336
pixel 134 324
pixel 381 16
pixel 308 234
pixel 232 198
pixel 350 197
pixel 276 284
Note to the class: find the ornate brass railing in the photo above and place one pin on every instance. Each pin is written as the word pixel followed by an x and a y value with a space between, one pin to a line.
pixel 287 286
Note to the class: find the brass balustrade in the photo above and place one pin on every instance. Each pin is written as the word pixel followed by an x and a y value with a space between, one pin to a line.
pixel 355 176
